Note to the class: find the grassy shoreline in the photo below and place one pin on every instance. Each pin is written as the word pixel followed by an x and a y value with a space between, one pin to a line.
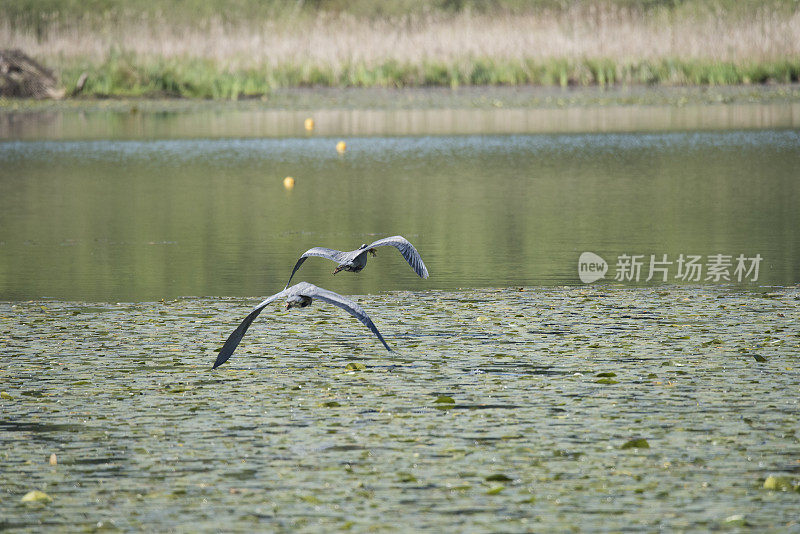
pixel 266 47
pixel 201 79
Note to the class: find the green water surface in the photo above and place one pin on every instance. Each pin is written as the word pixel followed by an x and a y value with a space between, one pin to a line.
pixel 143 220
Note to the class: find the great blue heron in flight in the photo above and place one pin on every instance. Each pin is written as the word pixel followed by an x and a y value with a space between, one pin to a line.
pixel 355 260
pixel 298 296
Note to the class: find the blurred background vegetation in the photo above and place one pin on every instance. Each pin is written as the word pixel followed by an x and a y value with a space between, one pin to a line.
pixel 42 12
pixel 230 49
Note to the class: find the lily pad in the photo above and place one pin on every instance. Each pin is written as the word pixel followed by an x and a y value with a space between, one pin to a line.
pixel 638 443
pixel 36 496
pixel 406 477
pixel 606 381
pixel 736 519
pixel 444 399
pixel 499 477
pixel 780 483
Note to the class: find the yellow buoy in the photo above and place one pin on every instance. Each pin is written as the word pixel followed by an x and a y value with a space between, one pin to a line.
pixel 309 124
pixel 288 182
pixel 341 146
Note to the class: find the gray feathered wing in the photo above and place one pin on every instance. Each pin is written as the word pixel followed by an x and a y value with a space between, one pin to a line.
pixel 237 335
pixel 348 305
pixel 322 252
pixel 305 289
pixel 407 250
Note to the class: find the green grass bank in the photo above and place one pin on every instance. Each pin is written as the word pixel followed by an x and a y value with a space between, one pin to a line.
pixel 232 49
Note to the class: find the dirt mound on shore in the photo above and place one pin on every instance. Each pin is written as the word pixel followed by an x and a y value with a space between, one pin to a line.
pixel 22 77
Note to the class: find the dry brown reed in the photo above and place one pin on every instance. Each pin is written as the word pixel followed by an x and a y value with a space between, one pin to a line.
pixel 334 41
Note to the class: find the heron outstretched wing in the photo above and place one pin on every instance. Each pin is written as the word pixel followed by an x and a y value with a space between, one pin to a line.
pixel 322 252
pixel 407 250
pixel 237 335
pixel 346 304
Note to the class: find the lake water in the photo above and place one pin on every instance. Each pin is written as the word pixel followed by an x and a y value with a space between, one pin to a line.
pixel 155 211
pixel 518 398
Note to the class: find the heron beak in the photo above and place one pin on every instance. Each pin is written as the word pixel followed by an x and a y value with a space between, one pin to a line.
pixel 287 306
pixel 336 270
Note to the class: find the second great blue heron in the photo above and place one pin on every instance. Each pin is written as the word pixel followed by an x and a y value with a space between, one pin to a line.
pixel 355 260
pixel 298 296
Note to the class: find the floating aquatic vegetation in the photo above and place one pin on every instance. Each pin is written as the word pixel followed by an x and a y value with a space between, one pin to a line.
pixel 36 496
pixel 446 432
pixel 638 443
